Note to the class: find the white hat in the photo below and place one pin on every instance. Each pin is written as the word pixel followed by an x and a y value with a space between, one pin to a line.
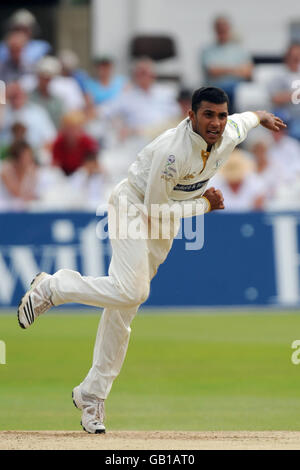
pixel 48 66
pixel 237 167
pixel 23 18
pixel 68 59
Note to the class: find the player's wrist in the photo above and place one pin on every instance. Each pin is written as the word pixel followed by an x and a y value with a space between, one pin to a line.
pixel 207 204
pixel 258 115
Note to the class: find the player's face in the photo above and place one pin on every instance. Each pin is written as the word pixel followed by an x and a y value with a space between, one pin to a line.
pixel 209 121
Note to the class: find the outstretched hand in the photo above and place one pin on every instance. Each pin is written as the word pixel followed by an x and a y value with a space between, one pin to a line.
pixel 270 121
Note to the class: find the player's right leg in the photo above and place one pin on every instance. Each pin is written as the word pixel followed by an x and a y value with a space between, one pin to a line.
pixel 126 286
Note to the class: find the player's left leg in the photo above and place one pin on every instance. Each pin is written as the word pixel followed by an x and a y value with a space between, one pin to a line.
pixel 109 354
pixel 110 350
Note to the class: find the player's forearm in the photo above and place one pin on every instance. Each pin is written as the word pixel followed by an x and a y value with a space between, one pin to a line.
pixel 179 209
pixel 217 72
pixel 190 208
pixel 240 71
pixel 195 207
pixel 245 71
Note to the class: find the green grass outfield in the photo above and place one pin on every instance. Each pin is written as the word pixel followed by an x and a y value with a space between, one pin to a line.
pixel 212 371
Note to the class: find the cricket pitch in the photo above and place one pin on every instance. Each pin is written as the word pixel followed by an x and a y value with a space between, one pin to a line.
pixel 151 440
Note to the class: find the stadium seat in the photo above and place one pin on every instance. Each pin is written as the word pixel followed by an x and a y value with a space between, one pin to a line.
pixel 155 47
pixel 264 73
pixel 162 50
pixel 252 96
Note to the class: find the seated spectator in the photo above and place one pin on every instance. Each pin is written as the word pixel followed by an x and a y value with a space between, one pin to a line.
pixel 40 131
pixel 285 151
pixel 24 184
pixel 18 131
pixel 281 91
pixel 184 100
pixel 72 144
pixel 18 178
pixel 226 63
pixel 88 182
pixel 70 67
pixel 287 197
pixel 270 171
pixel 145 105
pixel 22 20
pixel 63 88
pixel 13 68
pixel 66 87
pixel 242 189
pixel 106 85
pixel 46 69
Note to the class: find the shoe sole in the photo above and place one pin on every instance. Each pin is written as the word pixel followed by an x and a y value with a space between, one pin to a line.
pixel 21 301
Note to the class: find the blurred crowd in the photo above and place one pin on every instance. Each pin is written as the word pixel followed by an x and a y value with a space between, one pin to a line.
pixel 67 136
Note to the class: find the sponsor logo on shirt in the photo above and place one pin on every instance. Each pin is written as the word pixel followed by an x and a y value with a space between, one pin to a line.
pixel 234 124
pixel 169 171
pixel 190 187
pixel 189 177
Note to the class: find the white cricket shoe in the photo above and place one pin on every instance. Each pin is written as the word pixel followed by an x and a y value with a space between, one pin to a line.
pixel 92 419
pixel 36 301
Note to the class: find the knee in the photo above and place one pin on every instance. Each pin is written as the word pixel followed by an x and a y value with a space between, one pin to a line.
pixel 144 294
pixel 138 293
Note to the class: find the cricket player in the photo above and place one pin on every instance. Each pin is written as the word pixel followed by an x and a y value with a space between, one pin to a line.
pixel 173 171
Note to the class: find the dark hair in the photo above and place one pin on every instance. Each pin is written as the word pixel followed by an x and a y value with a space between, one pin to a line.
pixel 184 94
pixel 18 126
pixel 208 93
pixel 17 148
pixel 90 156
pixel 103 60
pixel 290 47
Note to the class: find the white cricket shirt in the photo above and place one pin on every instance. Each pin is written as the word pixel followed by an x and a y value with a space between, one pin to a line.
pixel 175 167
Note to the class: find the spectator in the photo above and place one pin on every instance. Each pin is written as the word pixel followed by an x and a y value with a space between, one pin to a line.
pixel 13 67
pixel 242 189
pixel 270 171
pixel 72 145
pixel 66 86
pixel 285 151
pixel 287 197
pixel 106 86
pixel 18 178
pixel 40 131
pixel 184 100
pixel 88 182
pixel 18 131
pixel 47 68
pixel 69 62
pixel 22 20
pixel 145 105
pixel 281 90
pixel 226 63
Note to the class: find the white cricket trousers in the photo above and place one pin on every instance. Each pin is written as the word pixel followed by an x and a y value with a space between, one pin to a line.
pixel 134 263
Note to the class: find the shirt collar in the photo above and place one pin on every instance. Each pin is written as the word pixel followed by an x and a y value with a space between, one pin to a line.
pixel 197 138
